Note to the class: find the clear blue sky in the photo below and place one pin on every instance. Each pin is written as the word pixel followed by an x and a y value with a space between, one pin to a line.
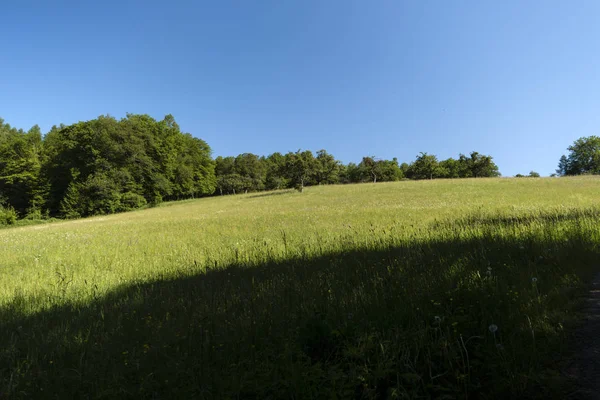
pixel 515 79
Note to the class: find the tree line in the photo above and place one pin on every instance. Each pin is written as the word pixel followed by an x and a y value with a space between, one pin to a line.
pixel 250 172
pixel 108 165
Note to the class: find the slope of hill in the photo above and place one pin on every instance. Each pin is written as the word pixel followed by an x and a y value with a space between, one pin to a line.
pixel 391 290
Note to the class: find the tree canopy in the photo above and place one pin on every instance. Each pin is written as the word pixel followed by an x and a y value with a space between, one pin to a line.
pixel 583 157
pixel 101 166
pixel 20 166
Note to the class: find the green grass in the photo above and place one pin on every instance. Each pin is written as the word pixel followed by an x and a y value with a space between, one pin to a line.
pixel 359 291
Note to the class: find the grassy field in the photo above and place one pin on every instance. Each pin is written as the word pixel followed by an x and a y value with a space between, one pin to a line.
pixel 439 289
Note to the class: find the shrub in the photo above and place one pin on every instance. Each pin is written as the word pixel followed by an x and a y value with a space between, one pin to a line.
pixel 34 214
pixel 8 216
pixel 156 200
pixel 131 201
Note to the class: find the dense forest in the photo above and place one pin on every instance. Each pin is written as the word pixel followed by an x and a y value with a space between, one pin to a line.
pixel 106 165
pixel 100 166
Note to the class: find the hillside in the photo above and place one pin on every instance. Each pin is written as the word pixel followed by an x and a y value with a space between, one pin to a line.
pixel 388 290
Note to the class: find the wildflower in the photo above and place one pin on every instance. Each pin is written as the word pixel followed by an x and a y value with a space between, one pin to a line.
pixel 534 279
pixel 437 319
pixel 493 328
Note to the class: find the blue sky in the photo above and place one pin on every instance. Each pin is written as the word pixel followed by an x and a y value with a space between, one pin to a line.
pixel 519 80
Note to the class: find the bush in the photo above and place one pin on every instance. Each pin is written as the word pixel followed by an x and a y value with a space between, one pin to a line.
pixel 8 216
pixel 35 214
pixel 98 194
pixel 156 200
pixel 131 201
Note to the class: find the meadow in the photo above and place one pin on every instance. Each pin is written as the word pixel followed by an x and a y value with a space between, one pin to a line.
pixel 420 289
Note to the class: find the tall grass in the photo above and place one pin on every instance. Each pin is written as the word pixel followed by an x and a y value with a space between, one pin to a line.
pixel 406 290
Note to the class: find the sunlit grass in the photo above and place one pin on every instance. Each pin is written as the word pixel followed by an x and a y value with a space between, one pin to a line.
pixel 366 291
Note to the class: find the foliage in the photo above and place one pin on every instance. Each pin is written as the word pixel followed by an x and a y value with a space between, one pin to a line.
pixel 8 215
pixel 276 175
pixel 477 166
pixel 300 168
pixel 583 157
pixel 426 166
pixel 90 165
pixel 532 174
pixel 371 169
pixel 326 169
pixel 20 163
pixel 451 168
pixel 105 165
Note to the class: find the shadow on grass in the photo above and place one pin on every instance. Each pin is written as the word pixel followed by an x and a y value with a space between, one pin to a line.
pixel 495 221
pixel 273 193
pixel 395 322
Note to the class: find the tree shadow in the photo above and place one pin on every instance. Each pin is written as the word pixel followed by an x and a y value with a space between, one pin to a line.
pixel 365 323
pixel 545 217
pixel 273 193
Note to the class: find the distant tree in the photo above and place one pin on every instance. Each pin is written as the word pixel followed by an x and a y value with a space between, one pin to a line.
pixel 370 168
pixel 563 166
pixel 426 166
pixel 534 174
pixel 449 168
pixel 327 168
pixel 352 173
pixel 252 169
pixel 583 157
pixel 404 167
pixel 477 166
pixel 389 170
pixel 519 176
pixel 300 168
pixel 275 172
pixel 231 183
pixel 224 165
